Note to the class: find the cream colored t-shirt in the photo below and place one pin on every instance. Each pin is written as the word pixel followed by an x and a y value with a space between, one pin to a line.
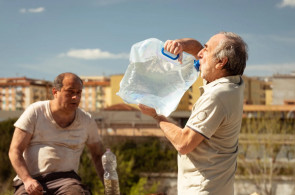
pixel 53 148
pixel 217 115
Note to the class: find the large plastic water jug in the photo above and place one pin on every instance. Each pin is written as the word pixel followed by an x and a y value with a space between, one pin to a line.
pixel 155 77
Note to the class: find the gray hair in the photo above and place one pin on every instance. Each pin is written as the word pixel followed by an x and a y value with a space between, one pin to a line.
pixel 236 50
pixel 57 83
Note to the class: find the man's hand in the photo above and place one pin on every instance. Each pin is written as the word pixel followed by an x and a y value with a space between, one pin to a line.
pixel 33 187
pixel 147 110
pixel 174 47
pixel 152 112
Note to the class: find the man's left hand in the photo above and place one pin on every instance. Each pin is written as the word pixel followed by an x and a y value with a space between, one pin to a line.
pixel 147 110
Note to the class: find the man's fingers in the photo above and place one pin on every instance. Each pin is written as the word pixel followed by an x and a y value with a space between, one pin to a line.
pixel 35 188
pixel 144 107
pixel 167 45
pixel 39 187
pixel 180 58
pixel 170 46
pixel 175 48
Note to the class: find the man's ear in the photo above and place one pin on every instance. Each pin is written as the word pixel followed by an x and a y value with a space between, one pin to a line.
pixel 221 63
pixel 54 91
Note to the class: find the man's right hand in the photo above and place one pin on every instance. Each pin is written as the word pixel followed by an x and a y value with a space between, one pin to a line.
pixel 33 187
pixel 174 47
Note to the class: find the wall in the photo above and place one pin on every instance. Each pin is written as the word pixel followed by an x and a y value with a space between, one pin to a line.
pixel 283 89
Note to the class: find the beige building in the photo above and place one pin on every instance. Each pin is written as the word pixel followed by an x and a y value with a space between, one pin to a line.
pixel 96 93
pixel 18 93
pixel 283 88
pixel 257 91
pixel 268 97
pixel 114 88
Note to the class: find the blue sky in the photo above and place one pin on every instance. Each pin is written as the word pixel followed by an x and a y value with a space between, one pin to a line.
pixel 42 38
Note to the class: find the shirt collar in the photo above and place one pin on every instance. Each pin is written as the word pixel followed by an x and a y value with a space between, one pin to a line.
pixel 236 79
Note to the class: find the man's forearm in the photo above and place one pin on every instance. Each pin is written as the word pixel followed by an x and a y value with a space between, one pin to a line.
pixel 184 140
pixel 98 167
pixel 19 143
pixel 190 46
pixel 171 131
pixel 19 165
pixel 96 151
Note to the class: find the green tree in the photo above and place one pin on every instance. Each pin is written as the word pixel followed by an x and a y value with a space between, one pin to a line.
pixel 88 173
pixel 129 175
pixel 6 171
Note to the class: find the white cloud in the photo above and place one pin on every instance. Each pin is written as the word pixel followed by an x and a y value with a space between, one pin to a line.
pixel 93 54
pixel 32 10
pixel 287 3
pixel 23 10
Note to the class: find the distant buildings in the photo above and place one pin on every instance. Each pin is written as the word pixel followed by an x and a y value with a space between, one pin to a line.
pixel 283 89
pixel 257 90
pixel 100 92
pixel 96 93
pixel 18 93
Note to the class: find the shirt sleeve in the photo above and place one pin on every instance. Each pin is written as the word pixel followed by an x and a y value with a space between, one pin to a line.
pixel 27 120
pixel 207 115
pixel 93 136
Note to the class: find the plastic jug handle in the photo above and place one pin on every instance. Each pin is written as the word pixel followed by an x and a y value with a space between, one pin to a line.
pixel 171 57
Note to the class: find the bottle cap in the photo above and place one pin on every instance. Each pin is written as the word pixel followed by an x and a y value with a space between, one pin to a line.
pixel 197 65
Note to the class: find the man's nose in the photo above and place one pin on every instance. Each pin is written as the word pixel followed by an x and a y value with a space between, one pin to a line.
pixel 75 96
pixel 200 54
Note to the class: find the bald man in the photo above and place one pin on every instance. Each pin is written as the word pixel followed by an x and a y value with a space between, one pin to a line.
pixel 49 139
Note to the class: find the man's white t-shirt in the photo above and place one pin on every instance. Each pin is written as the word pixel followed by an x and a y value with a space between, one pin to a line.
pixel 53 148
pixel 217 115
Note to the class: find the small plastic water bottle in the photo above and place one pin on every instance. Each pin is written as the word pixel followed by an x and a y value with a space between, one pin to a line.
pixel 111 180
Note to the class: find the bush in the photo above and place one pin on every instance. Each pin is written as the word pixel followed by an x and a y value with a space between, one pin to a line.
pixel 6 171
pixel 133 158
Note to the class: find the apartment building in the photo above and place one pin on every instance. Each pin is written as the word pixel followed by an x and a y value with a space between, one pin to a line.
pixel 96 93
pixel 18 93
pixel 258 90
pixel 283 88
pixel 114 88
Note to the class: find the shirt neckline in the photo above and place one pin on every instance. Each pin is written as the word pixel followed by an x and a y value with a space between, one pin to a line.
pixel 236 79
pixel 55 123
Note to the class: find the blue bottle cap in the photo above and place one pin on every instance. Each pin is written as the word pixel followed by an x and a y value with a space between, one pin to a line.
pixel 197 65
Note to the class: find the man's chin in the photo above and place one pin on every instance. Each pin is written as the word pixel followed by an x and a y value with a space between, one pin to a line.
pixel 73 106
pixel 202 75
